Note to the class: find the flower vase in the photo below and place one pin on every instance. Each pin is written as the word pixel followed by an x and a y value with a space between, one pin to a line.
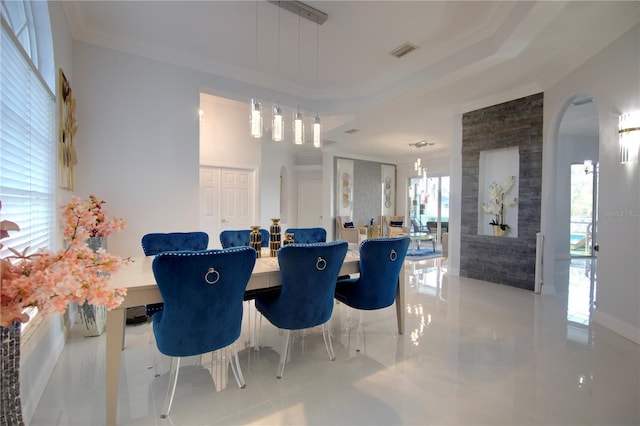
pixel 499 232
pixel 274 237
pixel 11 413
pixel 255 240
pixel 92 317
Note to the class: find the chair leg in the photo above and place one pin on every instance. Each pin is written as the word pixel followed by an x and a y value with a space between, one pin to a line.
pixel 250 339
pixel 237 371
pixel 173 380
pixel 360 332
pixel 257 324
pixel 326 335
pixel 284 353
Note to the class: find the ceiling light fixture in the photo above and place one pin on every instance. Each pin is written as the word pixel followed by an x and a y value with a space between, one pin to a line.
pixel 277 127
pixel 256 108
pixel 304 10
pixel 417 165
pixel 421 144
pixel 298 124
pixel 317 126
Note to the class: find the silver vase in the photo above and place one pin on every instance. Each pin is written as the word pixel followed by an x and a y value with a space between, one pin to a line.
pixel 92 317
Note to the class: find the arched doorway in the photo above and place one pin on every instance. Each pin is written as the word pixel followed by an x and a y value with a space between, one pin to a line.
pixel 575 213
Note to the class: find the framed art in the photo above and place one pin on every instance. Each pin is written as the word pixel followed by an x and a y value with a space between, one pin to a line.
pixel 68 129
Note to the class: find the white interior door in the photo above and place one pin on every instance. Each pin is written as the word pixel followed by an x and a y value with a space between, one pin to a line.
pixel 227 200
pixel 309 204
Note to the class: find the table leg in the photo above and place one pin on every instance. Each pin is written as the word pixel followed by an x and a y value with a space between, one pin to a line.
pixel 400 301
pixel 115 336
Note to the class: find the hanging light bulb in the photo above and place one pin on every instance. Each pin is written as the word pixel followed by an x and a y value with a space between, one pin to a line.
pixel 256 118
pixel 256 109
pixel 317 126
pixel 277 127
pixel 317 132
pixel 298 125
pixel 298 128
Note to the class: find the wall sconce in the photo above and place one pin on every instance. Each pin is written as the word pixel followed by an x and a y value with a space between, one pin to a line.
pixel 588 167
pixel 629 131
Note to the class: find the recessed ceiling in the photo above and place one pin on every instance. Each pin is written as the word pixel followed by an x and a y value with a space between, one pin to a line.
pixel 471 55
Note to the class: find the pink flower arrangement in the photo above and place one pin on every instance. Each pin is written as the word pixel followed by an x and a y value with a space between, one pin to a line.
pixel 51 280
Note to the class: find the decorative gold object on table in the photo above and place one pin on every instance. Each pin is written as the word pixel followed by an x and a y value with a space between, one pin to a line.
pixel 288 239
pixel 274 237
pixel 255 239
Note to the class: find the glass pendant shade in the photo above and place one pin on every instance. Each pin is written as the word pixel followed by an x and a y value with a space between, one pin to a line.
pixel 298 129
pixel 256 119
pixel 317 132
pixel 629 130
pixel 277 127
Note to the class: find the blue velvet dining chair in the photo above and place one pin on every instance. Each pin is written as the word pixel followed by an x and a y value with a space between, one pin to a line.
pixel 376 286
pixel 308 273
pixel 202 293
pixel 159 242
pixel 240 237
pixel 155 243
pixel 308 235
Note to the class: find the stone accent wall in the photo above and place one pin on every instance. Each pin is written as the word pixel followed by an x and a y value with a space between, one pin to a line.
pixel 518 123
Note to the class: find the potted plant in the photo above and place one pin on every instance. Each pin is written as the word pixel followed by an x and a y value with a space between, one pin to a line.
pixel 496 205
pixel 50 281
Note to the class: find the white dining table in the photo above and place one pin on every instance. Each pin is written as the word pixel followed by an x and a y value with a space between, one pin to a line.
pixel 137 277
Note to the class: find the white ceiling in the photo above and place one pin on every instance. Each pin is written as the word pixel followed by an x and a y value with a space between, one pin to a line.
pixel 471 55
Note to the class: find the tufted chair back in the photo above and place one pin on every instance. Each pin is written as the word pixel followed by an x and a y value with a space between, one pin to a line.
pixel 202 309
pixel 239 238
pixel 155 243
pixel 308 235
pixel 381 260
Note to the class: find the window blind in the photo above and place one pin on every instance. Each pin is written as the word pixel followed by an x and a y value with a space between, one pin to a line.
pixel 27 155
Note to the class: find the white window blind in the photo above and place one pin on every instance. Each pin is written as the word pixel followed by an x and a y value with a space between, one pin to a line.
pixel 27 155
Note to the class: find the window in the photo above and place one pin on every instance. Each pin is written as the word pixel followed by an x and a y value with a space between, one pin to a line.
pixel 27 155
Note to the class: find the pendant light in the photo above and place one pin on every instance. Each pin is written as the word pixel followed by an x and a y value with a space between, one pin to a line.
pixel 298 125
pixel 317 126
pixel 256 108
pixel 256 119
pixel 298 128
pixel 277 126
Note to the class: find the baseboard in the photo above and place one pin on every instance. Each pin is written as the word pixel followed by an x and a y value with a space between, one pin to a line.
pixel 619 327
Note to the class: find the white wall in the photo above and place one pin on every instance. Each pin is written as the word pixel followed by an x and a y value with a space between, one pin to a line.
pixel 611 77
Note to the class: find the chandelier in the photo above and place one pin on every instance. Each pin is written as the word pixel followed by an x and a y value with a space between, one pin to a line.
pixel 418 167
pixel 277 127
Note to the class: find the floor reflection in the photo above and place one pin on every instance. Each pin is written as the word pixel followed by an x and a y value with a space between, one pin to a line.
pixel 473 352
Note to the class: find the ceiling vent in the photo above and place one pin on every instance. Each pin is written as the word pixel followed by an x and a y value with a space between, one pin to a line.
pixel 403 50
pixel 351 131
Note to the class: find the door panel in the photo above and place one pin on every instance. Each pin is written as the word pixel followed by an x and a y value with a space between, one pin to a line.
pixel 227 200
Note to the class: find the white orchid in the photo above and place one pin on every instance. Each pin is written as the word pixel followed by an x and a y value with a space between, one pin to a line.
pixel 496 203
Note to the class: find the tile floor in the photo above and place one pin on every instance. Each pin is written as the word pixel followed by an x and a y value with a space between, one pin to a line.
pixel 473 353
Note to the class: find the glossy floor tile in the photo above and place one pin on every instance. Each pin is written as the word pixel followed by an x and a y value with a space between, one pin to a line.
pixel 473 353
